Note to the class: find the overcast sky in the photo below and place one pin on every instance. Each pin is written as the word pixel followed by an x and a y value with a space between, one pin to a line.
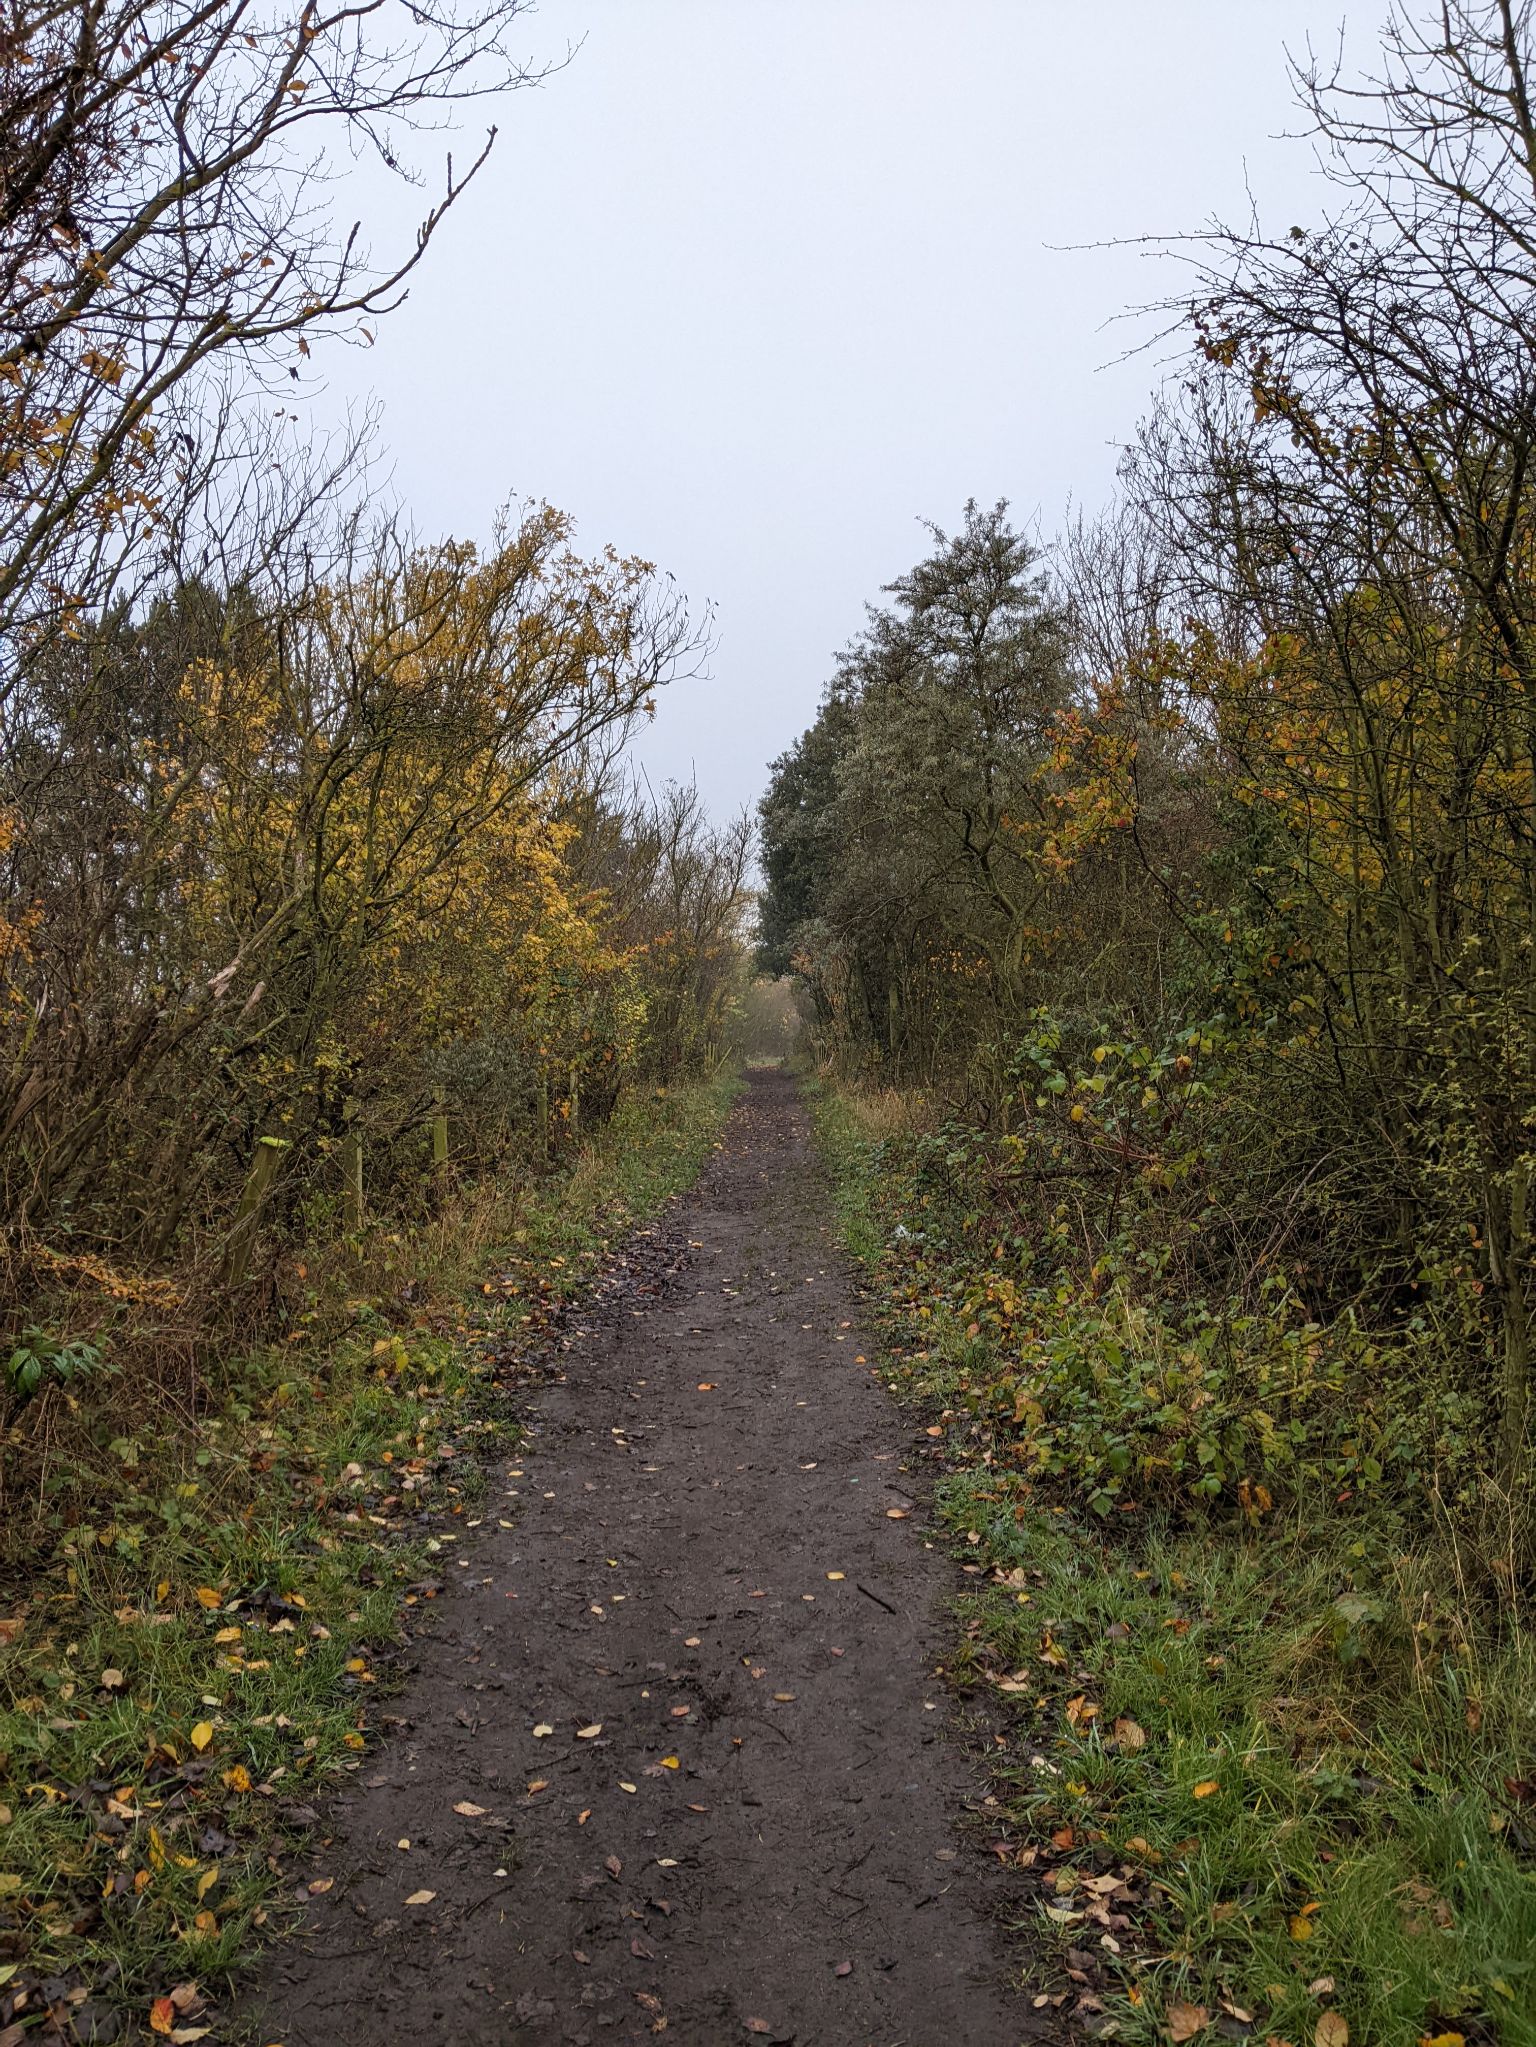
pixel 753 286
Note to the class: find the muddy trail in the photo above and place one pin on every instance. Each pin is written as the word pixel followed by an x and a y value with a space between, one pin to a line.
pixel 674 1760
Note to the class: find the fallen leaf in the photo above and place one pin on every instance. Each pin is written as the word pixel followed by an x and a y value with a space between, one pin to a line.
pixel 784 1698
pixel 1331 2030
pixel 1443 2040
pixel 201 1735
pixel 421 1897
pixel 541 1730
pixel 206 1596
pixel 237 1779
pixel 1204 1789
pixel 758 2026
pixel 836 1576
pixel 539 1784
pixel 589 1733
pixel 472 1811
pixel 896 1513
pixel 10 1631
pixel 320 1886
pixel 112 1680
pixel 706 1385
pixel 630 1788
pixel 614 1867
pixel 1129 1734
pixel 1186 2020
pixel 843 1969
pixel 162 2015
pixel 671 1763
pixel 206 1882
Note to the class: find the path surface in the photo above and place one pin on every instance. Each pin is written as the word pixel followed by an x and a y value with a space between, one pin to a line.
pixel 670 1577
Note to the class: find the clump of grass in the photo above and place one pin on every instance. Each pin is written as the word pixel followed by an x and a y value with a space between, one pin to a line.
pixel 195 1656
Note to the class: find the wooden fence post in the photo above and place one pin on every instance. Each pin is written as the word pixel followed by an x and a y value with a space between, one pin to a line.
pixel 242 1237
pixel 352 1180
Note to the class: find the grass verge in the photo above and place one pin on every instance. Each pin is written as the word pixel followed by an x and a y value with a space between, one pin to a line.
pixel 197 1651
pixel 1273 1778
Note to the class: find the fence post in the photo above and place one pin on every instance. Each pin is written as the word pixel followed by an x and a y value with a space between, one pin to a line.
pixel 242 1237
pixel 352 1179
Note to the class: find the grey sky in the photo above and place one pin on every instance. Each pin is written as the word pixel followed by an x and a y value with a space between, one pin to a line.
pixel 754 285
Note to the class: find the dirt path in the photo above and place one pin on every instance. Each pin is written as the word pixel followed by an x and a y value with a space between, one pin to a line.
pixel 708 1576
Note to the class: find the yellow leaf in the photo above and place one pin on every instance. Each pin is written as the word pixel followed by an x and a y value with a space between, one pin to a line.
pixel 541 1730
pixel 238 1779
pixel 1206 1787
pixel 421 1897
pixel 670 1763
pixel 205 1922
pixel 206 1596
pixel 1331 2030
pixel 201 1735
pixel 589 1733
pixel 1301 1927
pixel 206 1882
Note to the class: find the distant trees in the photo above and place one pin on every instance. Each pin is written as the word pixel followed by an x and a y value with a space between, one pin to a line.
pixel 1267 782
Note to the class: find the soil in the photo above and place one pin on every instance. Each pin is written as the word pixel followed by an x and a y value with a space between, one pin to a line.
pixel 674 1760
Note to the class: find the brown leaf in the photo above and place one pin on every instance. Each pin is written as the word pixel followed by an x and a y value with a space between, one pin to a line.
pixel 470 1810
pixel 1129 1734
pixel 1331 2030
pixel 614 1867
pixel 1186 2020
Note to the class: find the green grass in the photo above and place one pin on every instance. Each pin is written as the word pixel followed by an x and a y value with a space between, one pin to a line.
pixel 1263 1773
pixel 203 1643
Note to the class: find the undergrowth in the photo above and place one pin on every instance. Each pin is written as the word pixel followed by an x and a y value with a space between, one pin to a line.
pixel 1270 1761
pixel 195 1648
